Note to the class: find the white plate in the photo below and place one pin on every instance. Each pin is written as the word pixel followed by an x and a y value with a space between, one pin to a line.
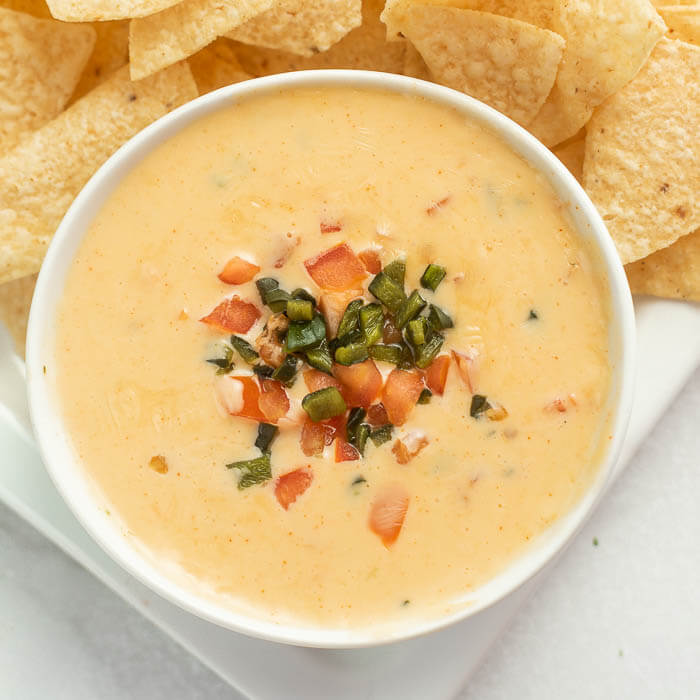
pixel 668 352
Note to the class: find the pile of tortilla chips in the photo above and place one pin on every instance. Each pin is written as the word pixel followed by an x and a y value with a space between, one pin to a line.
pixel 612 86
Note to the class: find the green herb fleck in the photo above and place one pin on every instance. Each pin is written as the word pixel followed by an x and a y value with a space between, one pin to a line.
pixel 405 603
pixel 595 541
pixel 244 349
pixel 225 364
pixel 252 471
pixel 358 480
pixel 533 315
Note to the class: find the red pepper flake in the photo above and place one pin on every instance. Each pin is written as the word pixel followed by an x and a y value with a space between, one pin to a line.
pixel 331 226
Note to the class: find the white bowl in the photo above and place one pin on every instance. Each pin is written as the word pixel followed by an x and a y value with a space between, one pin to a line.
pixel 70 478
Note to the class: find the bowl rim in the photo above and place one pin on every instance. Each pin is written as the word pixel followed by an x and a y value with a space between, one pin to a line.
pixel 46 422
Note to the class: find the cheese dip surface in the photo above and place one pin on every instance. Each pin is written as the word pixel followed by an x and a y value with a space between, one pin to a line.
pixel 337 356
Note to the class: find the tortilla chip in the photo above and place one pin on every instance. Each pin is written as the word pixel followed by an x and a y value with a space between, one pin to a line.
pixel 364 48
pixel 41 63
pixel 40 177
pixel 15 300
pixel 413 64
pixel 36 8
pixel 216 66
pixel 110 53
pixel 642 164
pixel 683 22
pixel 672 272
pixel 100 10
pixel 180 31
pixel 509 64
pixel 607 42
pixel 301 27
pixel 571 153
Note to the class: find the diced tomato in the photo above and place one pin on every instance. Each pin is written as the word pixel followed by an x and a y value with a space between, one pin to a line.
pixel 316 380
pixel 344 451
pixel 400 394
pixel 331 226
pixel 557 405
pixel 238 271
pixel 273 402
pixel 435 207
pixel 313 438
pixel 334 427
pixel 436 374
pixel 233 316
pixel 333 306
pixel 387 513
pixel 337 268
pixel 468 366
pixel 291 485
pixel 376 415
pixel 371 260
pixel 240 397
pixel 409 446
pixel 361 382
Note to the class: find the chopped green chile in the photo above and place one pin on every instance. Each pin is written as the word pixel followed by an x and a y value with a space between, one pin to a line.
pixel 300 310
pixel 351 354
pixel 244 349
pixel 276 300
pixel 372 323
pixel 264 371
pixel 252 471
pixel 425 396
pixel 438 319
pixel 433 275
pixel 359 440
pixel 355 418
pixel 409 309
pixel 266 285
pixel 427 352
pixel 224 364
pixel 320 357
pixel 407 359
pixel 381 434
pixel 388 291
pixel 348 330
pixel 305 334
pixel 266 434
pixel 287 371
pixel 479 405
pixel 386 353
pixel 418 331
pixel 324 404
pixel 397 271
pixel 358 480
pixel 304 295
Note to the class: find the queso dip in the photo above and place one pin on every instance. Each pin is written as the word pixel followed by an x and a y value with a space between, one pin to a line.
pixel 335 356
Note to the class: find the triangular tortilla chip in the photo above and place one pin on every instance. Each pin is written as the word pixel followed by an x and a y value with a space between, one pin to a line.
pixel 683 22
pixel 642 164
pixel 101 10
pixel 216 66
pixel 41 63
pixel 36 8
pixel 508 64
pixel 413 64
pixel 15 300
pixel 572 152
pixel 301 27
pixel 41 176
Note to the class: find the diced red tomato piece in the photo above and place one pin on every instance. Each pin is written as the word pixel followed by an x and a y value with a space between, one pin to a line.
pixel 409 446
pixel 238 271
pixel 334 427
pixel 371 260
pixel 468 366
pixel 436 374
pixel 316 380
pixel 388 512
pixel 376 415
pixel 233 316
pixel 333 306
pixel 240 397
pixel 337 268
pixel 313 438
pixel 344 451
pixel 331 226
pixel 291 485
pixel 361 382
pixel 400 394
pixel 273 402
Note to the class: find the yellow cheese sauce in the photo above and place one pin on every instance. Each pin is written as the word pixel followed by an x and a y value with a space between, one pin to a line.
pixel 255 179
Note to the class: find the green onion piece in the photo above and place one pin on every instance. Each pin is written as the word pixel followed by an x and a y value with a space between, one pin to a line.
pixel 381 434
pixel 252 471
pixel 372 323
pixel 418 331
pixel 351 354
pixel 266 434
pixel 438 319
pixel 225 364
pixel 355 418
pixel 386 353
pixel 433 275
pixel 244 349
pixel 397 271
pixel 276 300
pixel 305 334
pixel 287 371
pixel 266 285
pixel 425 396
pixel 300 310
pixel 324 404
pixel 350 323
pixel 320 357
pixel 304 295
pixel 388 291
pixel 263 371
pixel 360 439
pixel 410 308
pixel 533 316
pixel 427 352
pixel 478 406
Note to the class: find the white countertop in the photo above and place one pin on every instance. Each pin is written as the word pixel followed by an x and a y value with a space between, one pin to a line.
pixel 616 620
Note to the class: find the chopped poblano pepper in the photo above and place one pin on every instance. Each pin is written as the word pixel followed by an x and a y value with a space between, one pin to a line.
pixel 266 434
pixel 372 323
pixel 438 319
pixel 533 316
pixel 263 371
pixel 324 404
pixel 348 330
pixel 305 334
pixel 224 364
pixel 381 434
pixel 351 354
pixel 410 308
pixel 388 291
pixel 244 349
pixel 418 331
pixel 407 360
pixel 386 353
pixel 320 357
pixel 252 471
pixel 360 439
pixel 433 275
pixel 397 271
pixel 427 352
pixel 287 371
pixel 425 396
pixel 355 418
pixel 276 300
pixel 479 405
pixel 266 285
pixel 304 295
pixel 300 310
